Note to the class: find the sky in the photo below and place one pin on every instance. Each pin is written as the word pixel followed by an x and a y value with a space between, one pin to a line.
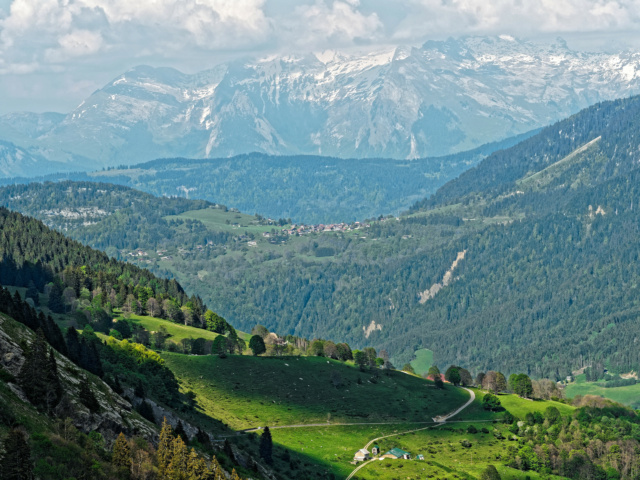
pixel 54 53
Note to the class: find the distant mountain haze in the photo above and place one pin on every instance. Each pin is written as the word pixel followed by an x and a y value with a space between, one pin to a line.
pixel 403 103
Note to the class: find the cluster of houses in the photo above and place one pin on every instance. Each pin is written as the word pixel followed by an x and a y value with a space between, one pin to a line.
pixel 333 227
pixel 363 454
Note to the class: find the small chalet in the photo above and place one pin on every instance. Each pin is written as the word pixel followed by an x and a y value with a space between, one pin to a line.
pixel 362 455
pixel 396 454
pixel 375 450
pixel 420 457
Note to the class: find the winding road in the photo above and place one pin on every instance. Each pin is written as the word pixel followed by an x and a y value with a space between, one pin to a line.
pixel 441 420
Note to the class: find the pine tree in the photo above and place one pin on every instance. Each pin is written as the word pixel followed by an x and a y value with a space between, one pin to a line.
pixel 179 465
pixel 164 452
pixel 179 432
pixel 266 446
pixel 73 344
pixel 87 396
pixel 234 475
pixel 38 376
pixel 54 390
pixel 16 463
pixel 197 467
pixel 121 453
pixel 216 469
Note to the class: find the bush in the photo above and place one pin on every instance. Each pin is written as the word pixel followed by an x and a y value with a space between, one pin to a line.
pixel 472 429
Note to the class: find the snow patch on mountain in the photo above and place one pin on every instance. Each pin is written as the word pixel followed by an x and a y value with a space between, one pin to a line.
pixel 402 102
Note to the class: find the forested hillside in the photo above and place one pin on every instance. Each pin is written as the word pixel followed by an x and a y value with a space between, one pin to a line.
pixel 308 189
pixel 526 263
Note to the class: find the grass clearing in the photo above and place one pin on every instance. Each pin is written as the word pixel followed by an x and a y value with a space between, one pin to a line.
pixel 177 330
pixel 247 392
pixel 423 360
pixel 628 395
pixel 219 220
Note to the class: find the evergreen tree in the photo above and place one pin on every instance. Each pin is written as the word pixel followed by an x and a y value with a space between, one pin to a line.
pixel 87 397
pixel 179 465
pixel 16 462
pixel 38 376
pixel 216 469
pixel 266 446
pixel 234 475
pixel 228 451
pixel 121 457
pixel 197 467
pixel 146 411
pixel 164 452
pixel 501 382
pixel 179 432
pixel 73 345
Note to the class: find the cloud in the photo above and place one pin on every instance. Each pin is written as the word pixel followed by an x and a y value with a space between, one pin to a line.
pixel 521 17
pixel 96 40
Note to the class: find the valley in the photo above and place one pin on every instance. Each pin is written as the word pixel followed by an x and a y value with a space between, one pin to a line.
pixel 403 263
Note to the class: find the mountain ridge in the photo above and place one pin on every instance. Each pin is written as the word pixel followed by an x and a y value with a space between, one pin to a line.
pixel 433 100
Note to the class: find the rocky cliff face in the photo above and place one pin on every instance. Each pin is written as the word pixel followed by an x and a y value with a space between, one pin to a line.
pixel 433 100
pixel 116 414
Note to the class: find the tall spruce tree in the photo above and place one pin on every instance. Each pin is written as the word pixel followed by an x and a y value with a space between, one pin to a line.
pixel 121 457
pixel 266 446
pixel 179 465
pixel 16 462
pixel 164 452
pixel 87 397
pixel 38 376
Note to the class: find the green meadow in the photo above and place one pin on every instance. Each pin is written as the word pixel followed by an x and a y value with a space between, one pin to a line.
pixel 628 395
pixel 423 360
pixel 249 391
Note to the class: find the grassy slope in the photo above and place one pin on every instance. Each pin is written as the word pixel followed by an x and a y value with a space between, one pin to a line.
pixel 514 404
pixel 216 219
pixel 177 330
pixel 248 392
pixel 444 456
pixel 423 360
pixel 625 395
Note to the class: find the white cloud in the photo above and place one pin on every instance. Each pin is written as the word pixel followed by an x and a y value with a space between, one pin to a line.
pixel 522 17
pixel 332 24
pixel 96 40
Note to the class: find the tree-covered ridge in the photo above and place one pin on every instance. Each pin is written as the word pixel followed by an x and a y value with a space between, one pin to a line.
pixel 614 124
pixel 33 253
pixel 308 189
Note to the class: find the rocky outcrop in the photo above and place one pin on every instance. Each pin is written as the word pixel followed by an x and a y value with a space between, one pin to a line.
pixel 116 414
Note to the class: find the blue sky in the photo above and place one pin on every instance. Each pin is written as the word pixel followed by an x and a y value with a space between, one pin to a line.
pixel 53 53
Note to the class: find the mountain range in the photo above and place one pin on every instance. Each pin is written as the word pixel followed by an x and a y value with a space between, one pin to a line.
pixel 403 103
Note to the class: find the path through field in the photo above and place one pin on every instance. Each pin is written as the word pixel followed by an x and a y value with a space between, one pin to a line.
pixel 438 420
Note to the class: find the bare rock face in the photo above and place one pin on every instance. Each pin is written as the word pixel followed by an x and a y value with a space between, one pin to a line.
pixel 116 414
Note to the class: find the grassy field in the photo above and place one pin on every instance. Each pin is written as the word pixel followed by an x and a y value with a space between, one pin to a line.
pixel 445 458
pixel 219 220
pixel 177 330
pixel 628 395
pixel 423 360
pixel 247 391
pixel 514 404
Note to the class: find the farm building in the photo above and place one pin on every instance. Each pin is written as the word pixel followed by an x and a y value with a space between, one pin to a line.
pixel 362 455
pixel 375 450
pixel 397 453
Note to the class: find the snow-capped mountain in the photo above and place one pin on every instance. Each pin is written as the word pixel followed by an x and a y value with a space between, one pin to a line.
pixel 441 98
